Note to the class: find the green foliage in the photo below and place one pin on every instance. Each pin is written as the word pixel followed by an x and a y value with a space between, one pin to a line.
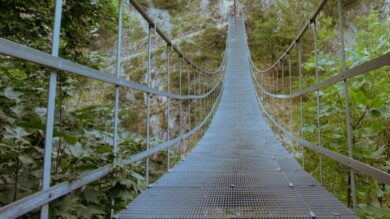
pixel 273 26
pixel 81 142
pixel 369 93
pixel 84 108
pixel 369 100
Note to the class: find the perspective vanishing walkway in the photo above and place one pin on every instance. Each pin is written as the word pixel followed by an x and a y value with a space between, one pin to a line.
pixel 239 169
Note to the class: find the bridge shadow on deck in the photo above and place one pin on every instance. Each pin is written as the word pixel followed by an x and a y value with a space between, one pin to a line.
pixel 239 169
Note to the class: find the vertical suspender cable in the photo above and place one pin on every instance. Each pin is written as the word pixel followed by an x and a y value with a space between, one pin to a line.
pixel 318 97
pixel 347 110
pixel 189 101
pixel 299 42
pixel 291 102
pixel 273 91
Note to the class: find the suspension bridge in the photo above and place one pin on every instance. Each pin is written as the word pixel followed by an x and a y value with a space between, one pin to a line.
pixel 239 168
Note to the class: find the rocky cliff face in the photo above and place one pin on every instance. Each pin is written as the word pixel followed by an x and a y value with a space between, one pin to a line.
pixel 187 23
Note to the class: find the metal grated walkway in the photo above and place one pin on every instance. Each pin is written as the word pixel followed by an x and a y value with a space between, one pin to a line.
pixel 239 169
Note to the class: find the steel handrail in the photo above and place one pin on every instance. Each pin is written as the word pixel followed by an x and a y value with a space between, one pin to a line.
pixel 44 197
pixel 27 53
pixel 152 24
pixel 378 174
pixel 376 63
pixel 368 170
pixel 297 38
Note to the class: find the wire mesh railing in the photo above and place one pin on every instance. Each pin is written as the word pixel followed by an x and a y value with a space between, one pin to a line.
pixel 268 81
pixel 206 91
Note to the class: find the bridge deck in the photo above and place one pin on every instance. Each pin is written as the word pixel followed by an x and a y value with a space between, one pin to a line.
pixel 239 169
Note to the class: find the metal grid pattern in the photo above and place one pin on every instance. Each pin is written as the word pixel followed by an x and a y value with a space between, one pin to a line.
pixel 237 202
pixel 239 169
pixel 236 179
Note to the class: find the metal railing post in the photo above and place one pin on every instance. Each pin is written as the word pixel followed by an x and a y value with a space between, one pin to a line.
pixel 195 101
pixel 168 107
pixel 282 87
pixel 46 178
pixel 299 42
pixel 261 82
pixel 318 97
pixel 180 109
pixel 189 101
pixel 277 90
pixel 347 110
pixel 209 99
pixel 265 84
pixel 148 104
pixel 199 100
pixel 205 98
pixel 212 99
pixel 271 88
pixel 273 91
pixel 267 78
pixel 262 75
pixel 271 79
pixel 291 102
pixel 116 103
pixel 202 99
pixel 118 72
pixel 210 95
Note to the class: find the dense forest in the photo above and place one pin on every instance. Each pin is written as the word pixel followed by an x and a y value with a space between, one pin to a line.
pixel 83 138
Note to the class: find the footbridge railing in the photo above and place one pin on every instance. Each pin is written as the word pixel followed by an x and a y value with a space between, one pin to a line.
pixel 271 88
pixel 203 92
